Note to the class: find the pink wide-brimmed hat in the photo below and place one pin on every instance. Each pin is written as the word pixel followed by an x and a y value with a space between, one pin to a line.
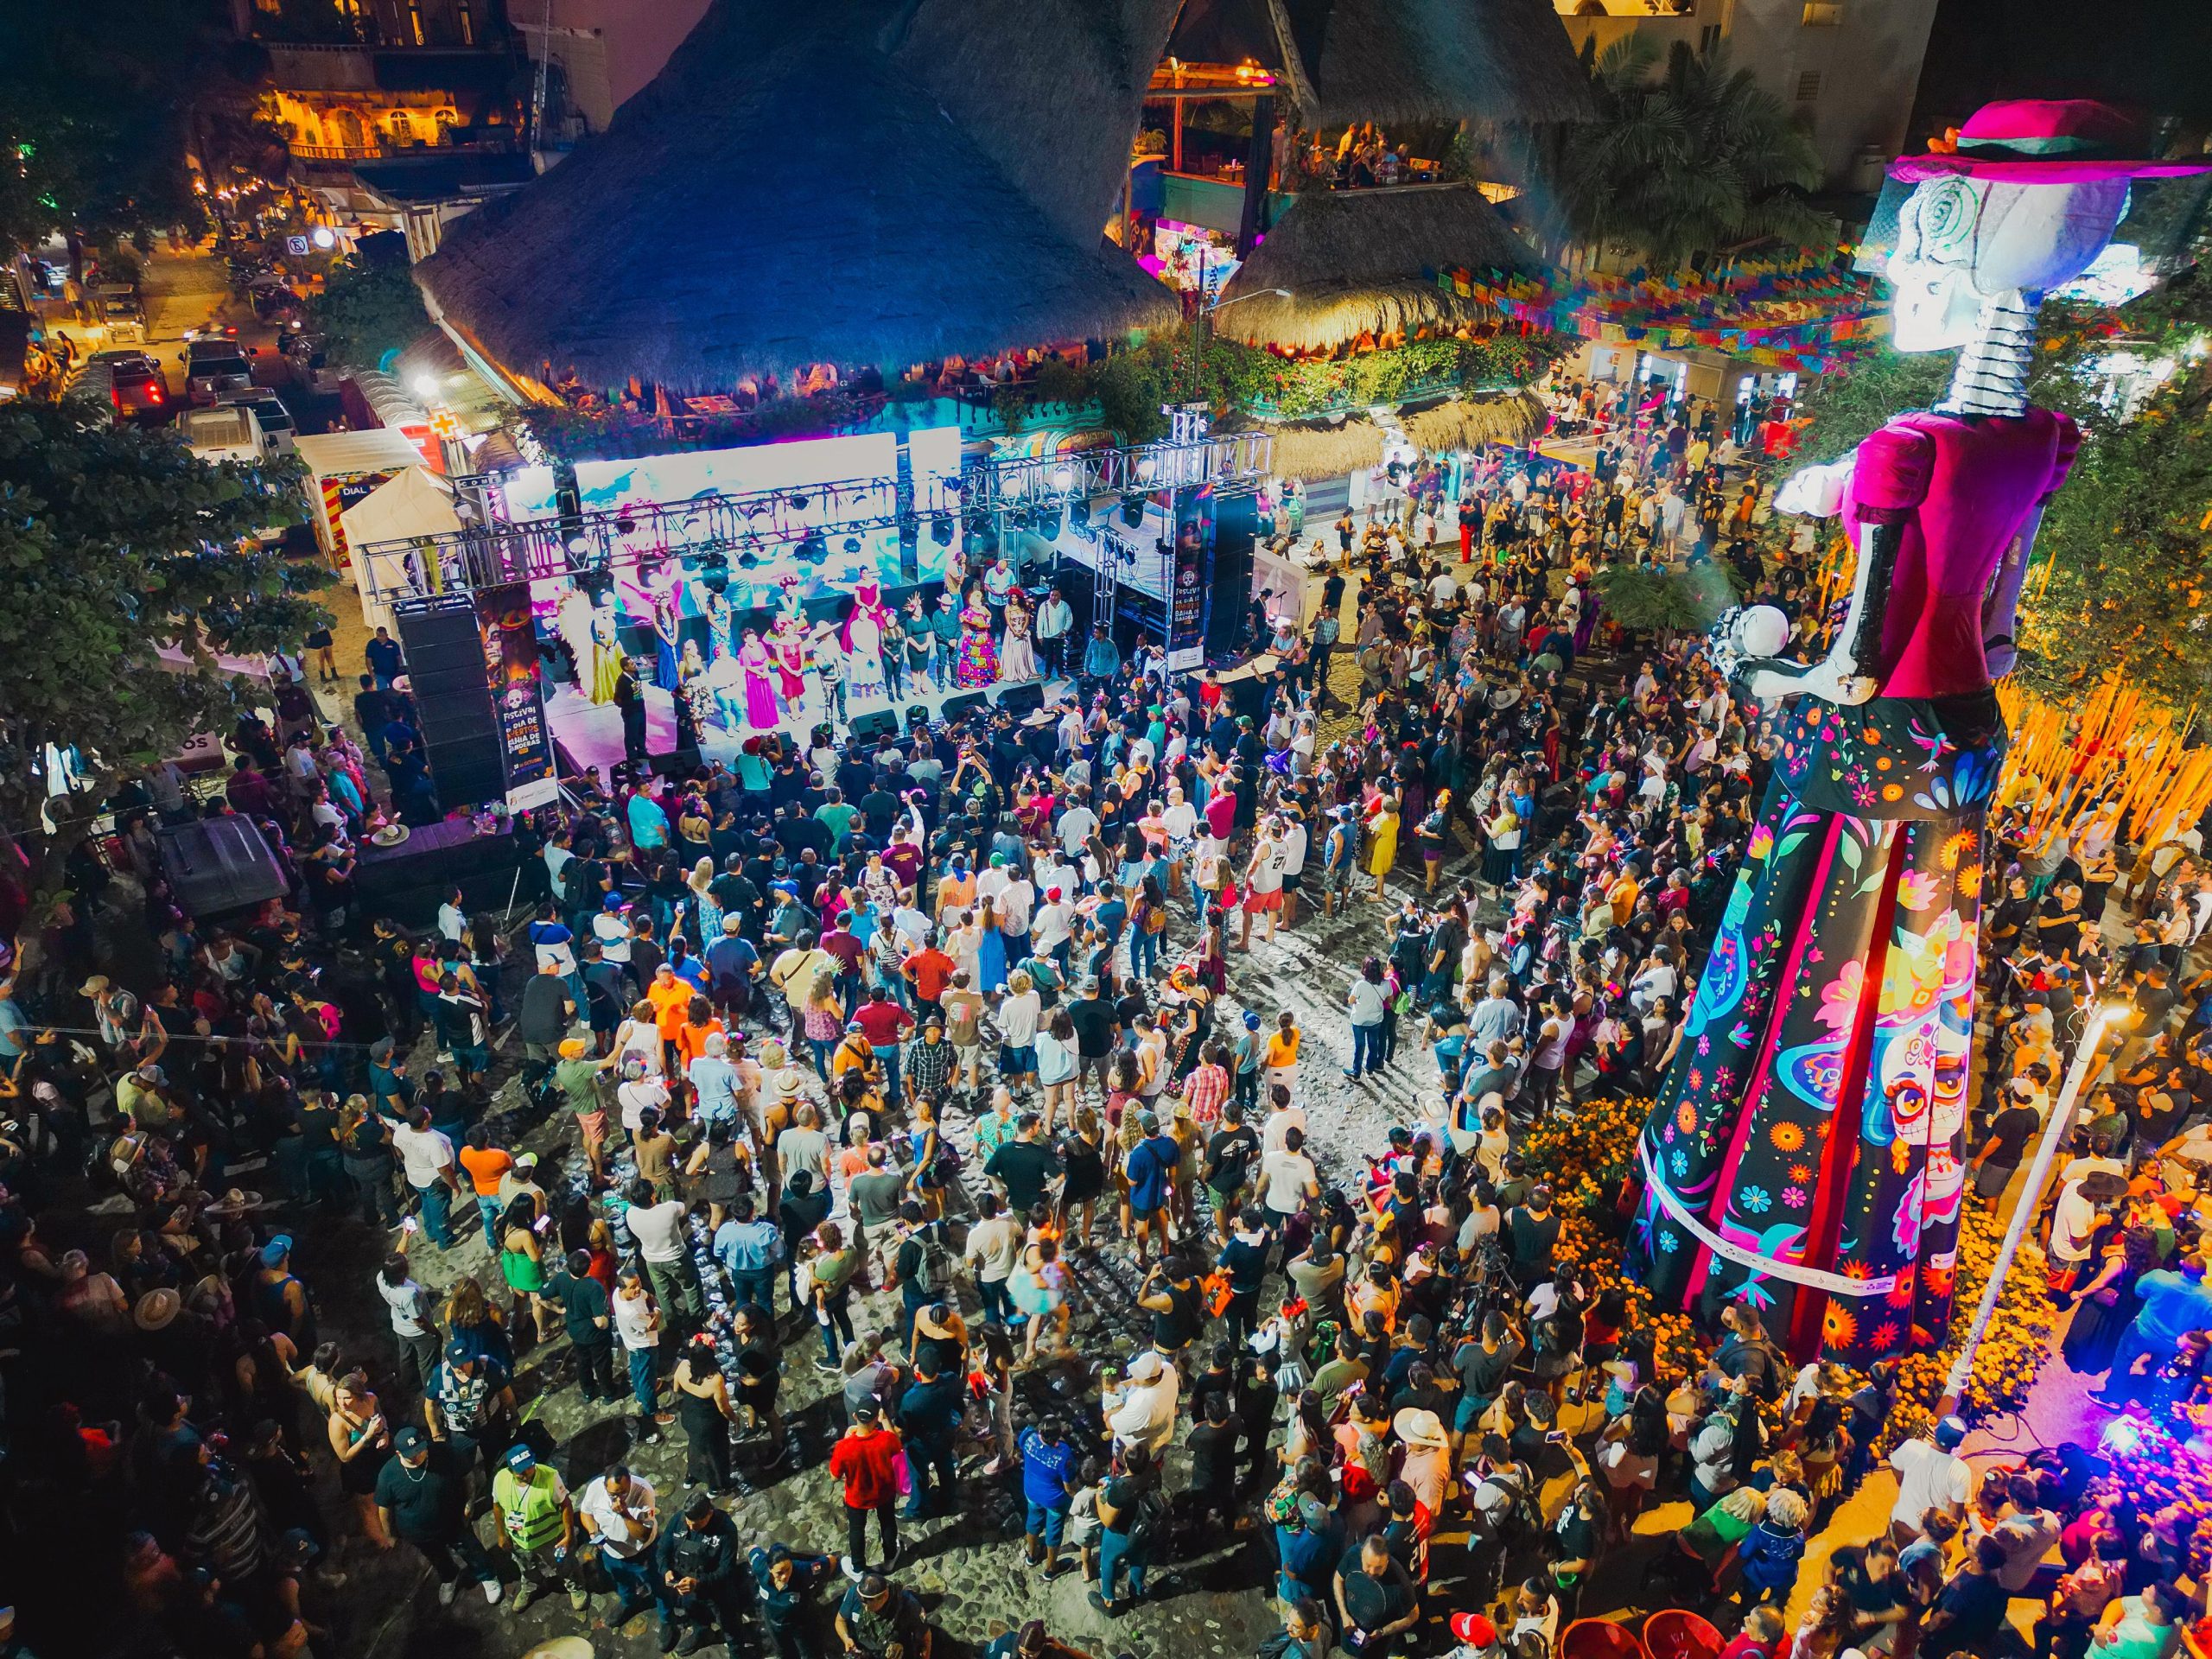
pixel 2046 141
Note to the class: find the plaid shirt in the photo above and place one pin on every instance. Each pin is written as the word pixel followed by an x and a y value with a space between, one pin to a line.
pixel 929 1067
pixel 1204 1092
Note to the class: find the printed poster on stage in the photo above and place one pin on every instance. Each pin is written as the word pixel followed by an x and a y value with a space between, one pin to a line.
pixel 1186 605
pixel 518 699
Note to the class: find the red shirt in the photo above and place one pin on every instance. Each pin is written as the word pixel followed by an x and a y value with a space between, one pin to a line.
pixel 932 971
pixel 884 1022
pixel 867 1466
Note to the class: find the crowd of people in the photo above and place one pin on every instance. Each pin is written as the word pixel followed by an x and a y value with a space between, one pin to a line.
pixel 906 1062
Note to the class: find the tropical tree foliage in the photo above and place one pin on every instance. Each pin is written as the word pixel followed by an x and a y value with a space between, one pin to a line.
pixel 114 541
pixel 1646 599
pixel 97 99
pixel 368 310
pixel 1686 162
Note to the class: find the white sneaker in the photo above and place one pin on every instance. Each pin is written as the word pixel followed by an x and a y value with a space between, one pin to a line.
pixel 493 1591
pixel 445 1595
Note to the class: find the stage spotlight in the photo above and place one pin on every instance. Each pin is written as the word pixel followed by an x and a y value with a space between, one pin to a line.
pixel 1147 467
pixel 579 545
pixel 941 531
pixel 625 525
pixel 953 484
pixel 594 585
pixel 852 545
pixel 748 554
pixel 799 501
pixel 1133 510
pixel 714 572
pixel 1064 478
pixel 813 550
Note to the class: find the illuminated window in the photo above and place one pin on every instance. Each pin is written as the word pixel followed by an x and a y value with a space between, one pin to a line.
pixel 415 18
pixel 468 27
pixel 1822 14
pixel 1809 87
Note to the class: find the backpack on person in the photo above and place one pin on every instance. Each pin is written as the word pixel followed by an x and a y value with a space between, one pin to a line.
pixel 933 1270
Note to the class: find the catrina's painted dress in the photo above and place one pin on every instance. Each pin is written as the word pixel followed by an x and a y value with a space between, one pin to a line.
pixel 1804 1155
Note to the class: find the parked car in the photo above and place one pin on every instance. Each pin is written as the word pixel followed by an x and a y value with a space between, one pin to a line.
pixel 213 365
pixel 311 371
pixel 227 432
pixel 133 384
pixel 121 314
pixel 279 432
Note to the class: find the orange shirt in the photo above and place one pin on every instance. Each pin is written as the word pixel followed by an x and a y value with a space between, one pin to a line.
pixel 485 1165
pixel 691 1040
pixel 671 1002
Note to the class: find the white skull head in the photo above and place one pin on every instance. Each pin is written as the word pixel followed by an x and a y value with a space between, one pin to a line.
pixel 1963 242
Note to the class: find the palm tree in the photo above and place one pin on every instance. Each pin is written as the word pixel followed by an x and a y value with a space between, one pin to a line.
pixel 1684 166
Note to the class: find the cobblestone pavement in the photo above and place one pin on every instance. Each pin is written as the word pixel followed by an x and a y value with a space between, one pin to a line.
pixel 1213 1597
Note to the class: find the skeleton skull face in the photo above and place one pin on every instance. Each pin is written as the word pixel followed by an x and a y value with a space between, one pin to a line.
pixel 1963 242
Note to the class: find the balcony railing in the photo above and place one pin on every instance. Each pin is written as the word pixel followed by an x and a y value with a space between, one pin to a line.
pixel 389 152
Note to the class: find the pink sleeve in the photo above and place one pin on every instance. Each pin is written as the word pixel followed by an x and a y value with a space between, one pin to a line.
pixel 2069 441
pixel 1890 476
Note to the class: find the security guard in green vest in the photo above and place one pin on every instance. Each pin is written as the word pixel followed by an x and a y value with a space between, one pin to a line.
pixel 538 1524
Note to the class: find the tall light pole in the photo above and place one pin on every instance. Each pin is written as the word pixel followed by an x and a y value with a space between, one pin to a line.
pixel 2054 1132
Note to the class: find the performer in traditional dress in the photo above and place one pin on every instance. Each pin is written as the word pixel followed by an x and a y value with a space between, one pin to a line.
pixel 787 640
pixel 861 636
pixel 1020 661
pixel 691 684
pixel 978 661
pixel 1804 1155
pixel 661 617
pixel 919 641
pixel 606 655
pixel 720 643
pixel 759 664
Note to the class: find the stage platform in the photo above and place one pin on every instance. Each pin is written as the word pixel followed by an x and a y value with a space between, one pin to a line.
pixel 590 735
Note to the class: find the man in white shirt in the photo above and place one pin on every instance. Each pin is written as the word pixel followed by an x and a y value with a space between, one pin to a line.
pixel 618 1511
pixel 1263 885
pixel 994 1247
pixel 427 1158
pixel 1142 1413
pixel 1015 906
pixel 664 1242
pixel 1930 1476
pixel 637 1322
pixel 1077 825
pixel 1049 927
pixel 452 918
pixel 1287 1178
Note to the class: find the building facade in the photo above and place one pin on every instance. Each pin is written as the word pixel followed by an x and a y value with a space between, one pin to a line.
pixel 1847 69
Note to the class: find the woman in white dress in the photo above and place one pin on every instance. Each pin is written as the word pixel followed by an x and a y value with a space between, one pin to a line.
pixel 1017 652
pixel 862 639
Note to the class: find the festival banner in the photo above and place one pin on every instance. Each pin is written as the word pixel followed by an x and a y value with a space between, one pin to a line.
pixel 503 614
pixel 1186 605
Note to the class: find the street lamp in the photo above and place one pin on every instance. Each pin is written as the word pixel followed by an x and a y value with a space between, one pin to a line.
pixel 2054 1132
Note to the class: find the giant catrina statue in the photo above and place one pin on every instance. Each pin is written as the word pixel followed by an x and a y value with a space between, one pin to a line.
pixel 1804 1157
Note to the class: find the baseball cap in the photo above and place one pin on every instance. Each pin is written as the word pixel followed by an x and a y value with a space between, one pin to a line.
pixel 1474 1630
pixel 521 1459
pixel 1950 1432
pixel 276 1249
pixel 409 1440
pixel 457 1350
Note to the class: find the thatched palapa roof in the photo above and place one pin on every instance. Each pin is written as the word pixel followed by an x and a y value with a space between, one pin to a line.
pixel 1463 422
pixel 1395 61
pixel 1051 90
pixel 1355 260
pixel 789 192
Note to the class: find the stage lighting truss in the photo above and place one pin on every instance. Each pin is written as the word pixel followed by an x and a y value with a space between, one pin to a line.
pixel 752 529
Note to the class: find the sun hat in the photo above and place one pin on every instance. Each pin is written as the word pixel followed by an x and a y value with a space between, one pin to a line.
pixel 2045 141
pixel 157 1309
